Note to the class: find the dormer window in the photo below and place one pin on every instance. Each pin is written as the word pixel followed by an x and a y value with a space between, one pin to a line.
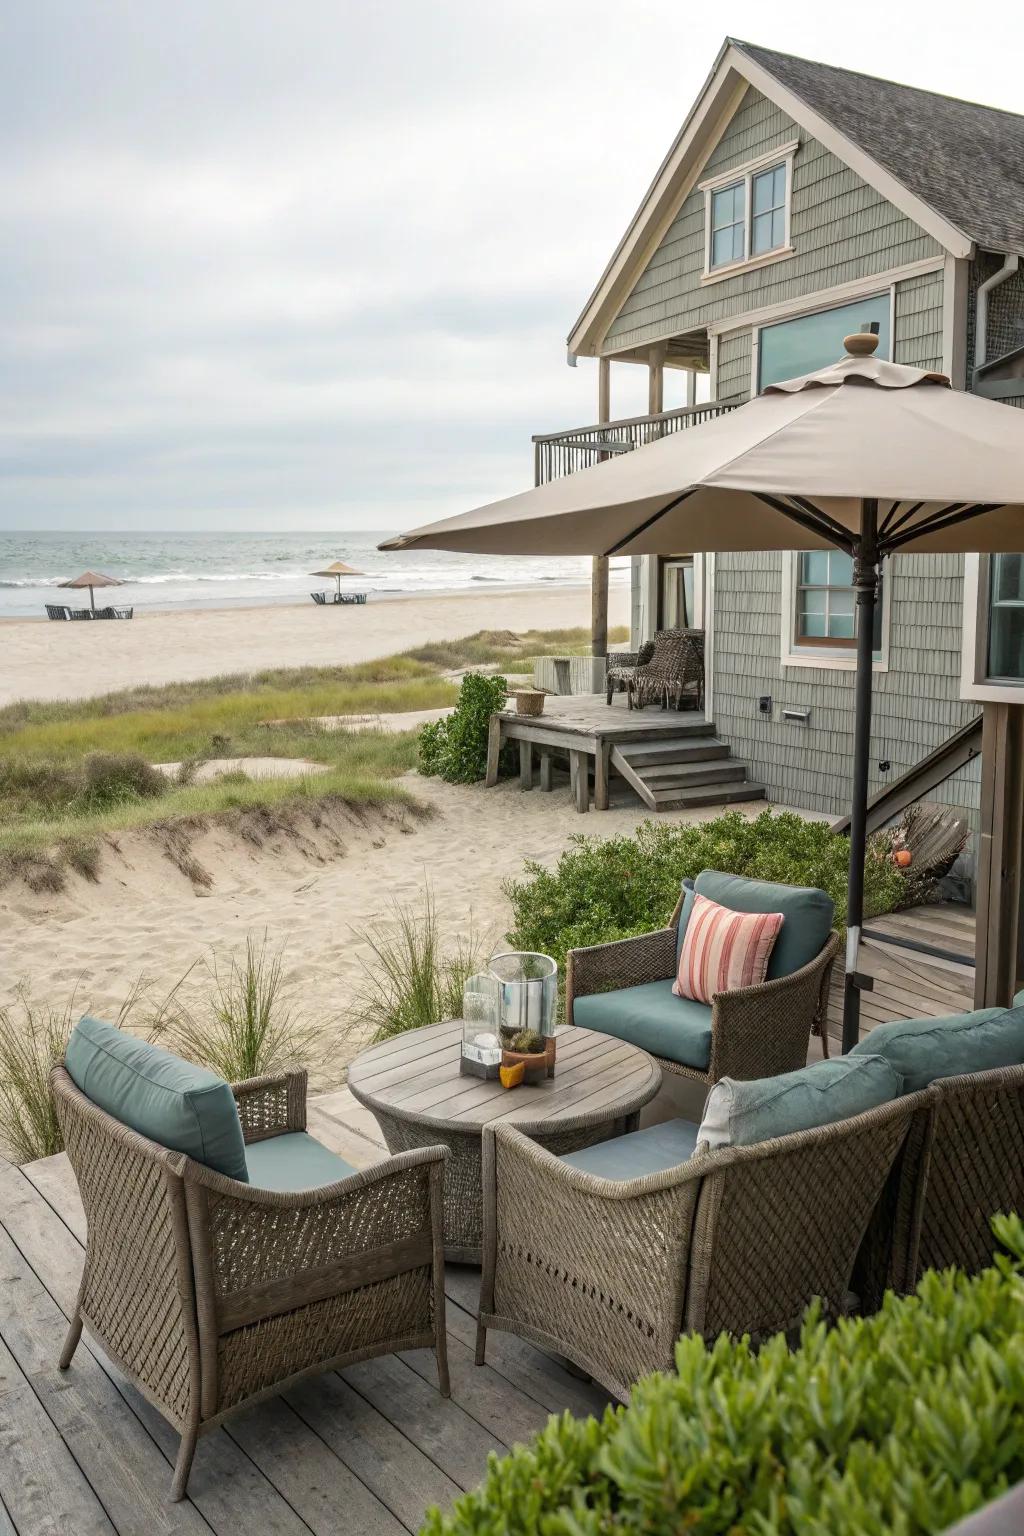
pixel 747 214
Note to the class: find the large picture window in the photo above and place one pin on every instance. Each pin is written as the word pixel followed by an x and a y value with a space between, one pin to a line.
pixel 796 347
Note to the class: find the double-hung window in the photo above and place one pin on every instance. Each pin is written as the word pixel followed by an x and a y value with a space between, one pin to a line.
pixel 825 606
pixel 747 212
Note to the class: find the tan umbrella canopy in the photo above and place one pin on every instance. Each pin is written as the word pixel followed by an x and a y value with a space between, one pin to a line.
pixel 865 455
pixel 93 579
pixel 338 569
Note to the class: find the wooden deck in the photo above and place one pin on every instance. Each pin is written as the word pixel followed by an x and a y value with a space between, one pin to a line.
pixel 911 983
pixel 362 1452
pixel 665 757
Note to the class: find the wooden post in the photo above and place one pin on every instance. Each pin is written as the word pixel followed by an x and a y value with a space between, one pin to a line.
pixel 998 952
pixel 601 768
pixel 525 765
pixel 691 386
pixel 656 379
pixel 599 573
pixel 493 750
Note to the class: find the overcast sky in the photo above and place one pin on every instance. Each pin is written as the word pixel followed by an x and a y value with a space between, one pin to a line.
pixel 312 263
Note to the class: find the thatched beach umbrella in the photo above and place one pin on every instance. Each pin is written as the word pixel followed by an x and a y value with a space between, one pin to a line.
pixel 338 569
pixel 92 579
pixel 865 456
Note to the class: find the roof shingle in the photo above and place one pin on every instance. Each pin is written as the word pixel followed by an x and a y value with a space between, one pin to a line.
pixel 965 161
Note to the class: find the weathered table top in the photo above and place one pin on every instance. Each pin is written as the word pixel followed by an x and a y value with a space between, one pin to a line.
pixel 416 1076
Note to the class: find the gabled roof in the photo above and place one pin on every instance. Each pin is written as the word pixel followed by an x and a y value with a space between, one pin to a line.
pixel 964 160
pixel 954 168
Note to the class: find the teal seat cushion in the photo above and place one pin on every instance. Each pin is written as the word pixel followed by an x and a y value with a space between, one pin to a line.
pixel 807 915
pixel 640 1153
pixel 925 1049
pixel 173 1102
pixel 740 1114
pixel 652 1018
pixel 294 1162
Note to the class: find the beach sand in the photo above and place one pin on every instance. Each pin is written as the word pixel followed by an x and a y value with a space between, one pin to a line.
pixel 44 660
pixel 313 894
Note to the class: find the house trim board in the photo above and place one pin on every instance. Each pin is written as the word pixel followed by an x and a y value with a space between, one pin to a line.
pixel 733 74
pixel 823 298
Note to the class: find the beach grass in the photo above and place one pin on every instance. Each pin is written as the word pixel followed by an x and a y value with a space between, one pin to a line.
pixel 73 773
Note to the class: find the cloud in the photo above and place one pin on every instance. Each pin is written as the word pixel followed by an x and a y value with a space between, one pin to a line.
pixel 313 263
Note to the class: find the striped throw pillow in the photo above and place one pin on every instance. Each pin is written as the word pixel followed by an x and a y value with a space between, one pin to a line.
pixel 723 951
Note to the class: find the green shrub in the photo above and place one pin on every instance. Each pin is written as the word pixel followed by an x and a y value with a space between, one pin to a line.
pixel 903 1422
pixel 455 749
pixel 604 889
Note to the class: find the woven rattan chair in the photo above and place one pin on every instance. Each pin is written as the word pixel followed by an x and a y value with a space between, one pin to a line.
pixel 962 1164
pixel 757 1032
pixel 619 676
pixel 675 671
pixel 211 1294
pixel 610 1273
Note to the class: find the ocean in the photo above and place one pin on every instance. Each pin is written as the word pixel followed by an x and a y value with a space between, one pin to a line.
pixel 169 571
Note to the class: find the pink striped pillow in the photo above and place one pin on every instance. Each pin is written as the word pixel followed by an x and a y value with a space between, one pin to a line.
pixel 724 951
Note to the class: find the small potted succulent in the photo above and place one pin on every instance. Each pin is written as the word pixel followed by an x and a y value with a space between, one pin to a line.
pixel 526 1046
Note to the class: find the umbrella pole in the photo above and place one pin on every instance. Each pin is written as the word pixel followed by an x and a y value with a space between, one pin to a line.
pixel 865 580
pixel 92 599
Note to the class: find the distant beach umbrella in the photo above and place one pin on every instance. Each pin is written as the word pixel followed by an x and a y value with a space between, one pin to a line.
pixel 338 570
pixel 92 579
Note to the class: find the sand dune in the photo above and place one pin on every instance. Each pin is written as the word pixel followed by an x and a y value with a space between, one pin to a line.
pixel 314 892
pixel 57 661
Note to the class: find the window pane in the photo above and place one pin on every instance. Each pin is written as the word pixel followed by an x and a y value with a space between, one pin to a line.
pixel 763 192
pixel 812 626
pixel 814 568
pixel 840 626
pixel 676 594
pixel 721 247
pixel 1008 579
pixel 762 235
pixel 1006 621
pixel 795 347
pixel 841 601
pixel 840 569
pixel 726 206
pixel 813 600
pixel 778 227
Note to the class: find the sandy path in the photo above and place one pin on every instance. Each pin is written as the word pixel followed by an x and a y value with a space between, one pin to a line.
pixel 144 916
pixel 41 660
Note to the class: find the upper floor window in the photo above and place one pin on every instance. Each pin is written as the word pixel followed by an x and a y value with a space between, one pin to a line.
pixel 747 212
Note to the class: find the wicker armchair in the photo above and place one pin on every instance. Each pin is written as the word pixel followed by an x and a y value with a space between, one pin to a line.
pixel 619 677
pixel 676 669
pixel 963 1163
pixel 211 1294
pixel 756 1032
pixel 609 1273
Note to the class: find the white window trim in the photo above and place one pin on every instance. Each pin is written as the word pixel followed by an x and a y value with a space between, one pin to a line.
pixel 745 174
pixel 818 657
pixel 974 651
pixel 876 292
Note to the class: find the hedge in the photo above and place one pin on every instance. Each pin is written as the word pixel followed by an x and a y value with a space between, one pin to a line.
pixel 455 748
pixel 902 1423
pixel 611 889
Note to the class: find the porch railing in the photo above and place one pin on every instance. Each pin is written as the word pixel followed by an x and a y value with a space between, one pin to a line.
pixel 560 453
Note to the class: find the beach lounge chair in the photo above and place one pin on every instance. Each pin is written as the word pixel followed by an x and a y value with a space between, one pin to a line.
pixel 81 613
pixel 625 988
pixel 319 598
pixel 228 1253
pixel 350 597
pixel 124 613
pixel 606 1255
pixel 56 611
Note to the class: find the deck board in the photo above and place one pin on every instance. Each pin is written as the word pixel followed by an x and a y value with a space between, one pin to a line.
pixel 364 1451
pixel 909 984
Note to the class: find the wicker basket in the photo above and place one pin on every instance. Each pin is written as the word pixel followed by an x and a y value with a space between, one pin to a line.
pixel 529 701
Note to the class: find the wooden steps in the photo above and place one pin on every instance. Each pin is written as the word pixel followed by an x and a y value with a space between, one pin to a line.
pixel 694 769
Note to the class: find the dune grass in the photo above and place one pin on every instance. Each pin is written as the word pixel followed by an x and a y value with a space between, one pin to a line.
pixel 75 771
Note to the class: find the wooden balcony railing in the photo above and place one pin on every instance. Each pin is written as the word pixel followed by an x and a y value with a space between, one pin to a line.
pixel 560 453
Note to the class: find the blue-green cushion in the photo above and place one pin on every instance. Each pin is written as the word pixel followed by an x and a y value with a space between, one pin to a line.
pixel 650 1017
pixel 294 1162
pixel 739 1114
pixel 807 915
pixel 923 1049
pixel 170 1101
pixel 640 1153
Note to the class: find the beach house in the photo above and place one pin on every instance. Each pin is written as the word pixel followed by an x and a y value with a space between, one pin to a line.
pixel 799 203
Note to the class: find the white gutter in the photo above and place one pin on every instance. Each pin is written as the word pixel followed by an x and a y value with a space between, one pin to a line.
pixel 1008 268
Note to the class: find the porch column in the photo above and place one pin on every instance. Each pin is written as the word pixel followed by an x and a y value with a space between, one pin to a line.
pixel 1000 879
pixel 599 573
pixel 691 386
pixel 656 379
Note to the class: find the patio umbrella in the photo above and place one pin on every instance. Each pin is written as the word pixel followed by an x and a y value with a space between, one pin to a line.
pixel 866 456
pixel 338 570
pixel 93 579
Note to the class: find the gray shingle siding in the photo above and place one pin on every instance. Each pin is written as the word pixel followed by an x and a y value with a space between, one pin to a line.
pixel 841 229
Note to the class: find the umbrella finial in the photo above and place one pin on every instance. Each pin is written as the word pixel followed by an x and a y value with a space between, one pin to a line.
pixel 861 343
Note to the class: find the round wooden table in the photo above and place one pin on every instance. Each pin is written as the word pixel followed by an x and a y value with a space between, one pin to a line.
pixel 413 1087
